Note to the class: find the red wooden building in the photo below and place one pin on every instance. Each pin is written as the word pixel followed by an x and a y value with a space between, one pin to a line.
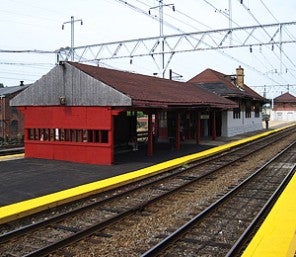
pixel 80 113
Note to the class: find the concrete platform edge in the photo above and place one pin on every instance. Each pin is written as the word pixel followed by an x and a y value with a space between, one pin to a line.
pixel 277 236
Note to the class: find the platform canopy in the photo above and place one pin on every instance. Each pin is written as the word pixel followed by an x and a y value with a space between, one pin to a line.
pixel 77 84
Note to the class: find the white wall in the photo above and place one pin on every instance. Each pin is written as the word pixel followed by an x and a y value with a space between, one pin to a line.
pixel 283 115
pixel 225 125
pixel 232 127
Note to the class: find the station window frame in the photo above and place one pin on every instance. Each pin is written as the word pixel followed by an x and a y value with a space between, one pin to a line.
pixel 96 136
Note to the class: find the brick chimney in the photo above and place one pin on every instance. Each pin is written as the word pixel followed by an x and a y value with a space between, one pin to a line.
pixel 240 77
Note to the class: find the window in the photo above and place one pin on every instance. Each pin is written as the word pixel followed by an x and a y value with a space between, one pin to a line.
pixel 14 127
pixel 13 109
pixel 163 119
pixel 248 110
pixel 68 135
pixel 257 111
pixel 236 113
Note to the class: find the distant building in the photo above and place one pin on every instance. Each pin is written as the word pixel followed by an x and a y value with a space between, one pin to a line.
pixel 248 115
pixel 11 119
pixel 284 108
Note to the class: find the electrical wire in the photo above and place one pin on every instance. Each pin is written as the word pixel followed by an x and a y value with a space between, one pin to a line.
pixel 17 73
pixel 228 17
pixel 140 10
pixel 16 78
pixel 266 32
pixel 220 51
pixel 237 24
pixel 183 14
pixel 7 51
pixel 287 31
pixel 41 65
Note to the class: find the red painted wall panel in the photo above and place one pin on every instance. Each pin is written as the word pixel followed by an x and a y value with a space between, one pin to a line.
pixel 99 118
pixel 72 117
pixel 69 152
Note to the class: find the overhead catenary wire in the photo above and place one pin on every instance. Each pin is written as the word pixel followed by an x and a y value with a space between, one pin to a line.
pixel 253 16
pixel 35 51
pixel 234 22
pixel 228 17
pixel 280 48
pixel 258 22
pixel 126 3
pixel 191 23
pixel 287 31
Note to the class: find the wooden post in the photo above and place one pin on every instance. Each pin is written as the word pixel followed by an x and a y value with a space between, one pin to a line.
pixel 198 128
pixel 150 135
pixel 156 127
pixel 214 125
pixel 178 139
pixel 111 138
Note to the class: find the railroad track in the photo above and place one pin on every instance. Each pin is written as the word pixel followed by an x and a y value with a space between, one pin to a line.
pixel 9 151
pixel 48 235
pixel 224 227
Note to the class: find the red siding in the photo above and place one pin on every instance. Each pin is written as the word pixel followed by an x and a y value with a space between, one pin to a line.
pixel 80 118
pixel 74 117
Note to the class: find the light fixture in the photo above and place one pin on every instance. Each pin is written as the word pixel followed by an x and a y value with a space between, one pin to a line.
pixel 63 100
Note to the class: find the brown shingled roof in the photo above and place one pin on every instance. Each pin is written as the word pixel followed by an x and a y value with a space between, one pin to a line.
pixel 148 91
pixel 285 98
pixel 213 77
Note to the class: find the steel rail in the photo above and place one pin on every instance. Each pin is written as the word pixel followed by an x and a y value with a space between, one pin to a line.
pixel 102 225
pixel 8 151
pixel 161 246
pixel 237 247
pixel 18 232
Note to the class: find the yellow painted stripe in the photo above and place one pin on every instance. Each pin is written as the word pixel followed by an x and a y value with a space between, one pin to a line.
pixel 12 157
pixel 277 235
pixel 25 208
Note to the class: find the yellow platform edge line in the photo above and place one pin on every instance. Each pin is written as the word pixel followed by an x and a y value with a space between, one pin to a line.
pixel 276 237
pixel 31 206
pixel 12 157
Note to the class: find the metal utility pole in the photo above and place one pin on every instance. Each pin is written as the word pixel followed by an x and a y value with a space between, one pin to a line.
pixel 3 121
pixel 230 21
pixel 72 21
pixel 281 48
pixel 161 35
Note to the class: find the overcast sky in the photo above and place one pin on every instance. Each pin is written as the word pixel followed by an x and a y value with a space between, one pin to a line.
pixel 33 24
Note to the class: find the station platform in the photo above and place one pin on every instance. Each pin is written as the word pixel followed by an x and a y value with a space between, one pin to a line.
pixel 31 185
pixel 277 235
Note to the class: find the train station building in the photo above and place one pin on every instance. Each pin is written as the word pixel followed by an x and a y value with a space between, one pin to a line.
pixel 247 116
pixel 83 113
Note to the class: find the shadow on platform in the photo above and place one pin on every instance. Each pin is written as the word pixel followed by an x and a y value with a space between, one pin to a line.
pixel 161 152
